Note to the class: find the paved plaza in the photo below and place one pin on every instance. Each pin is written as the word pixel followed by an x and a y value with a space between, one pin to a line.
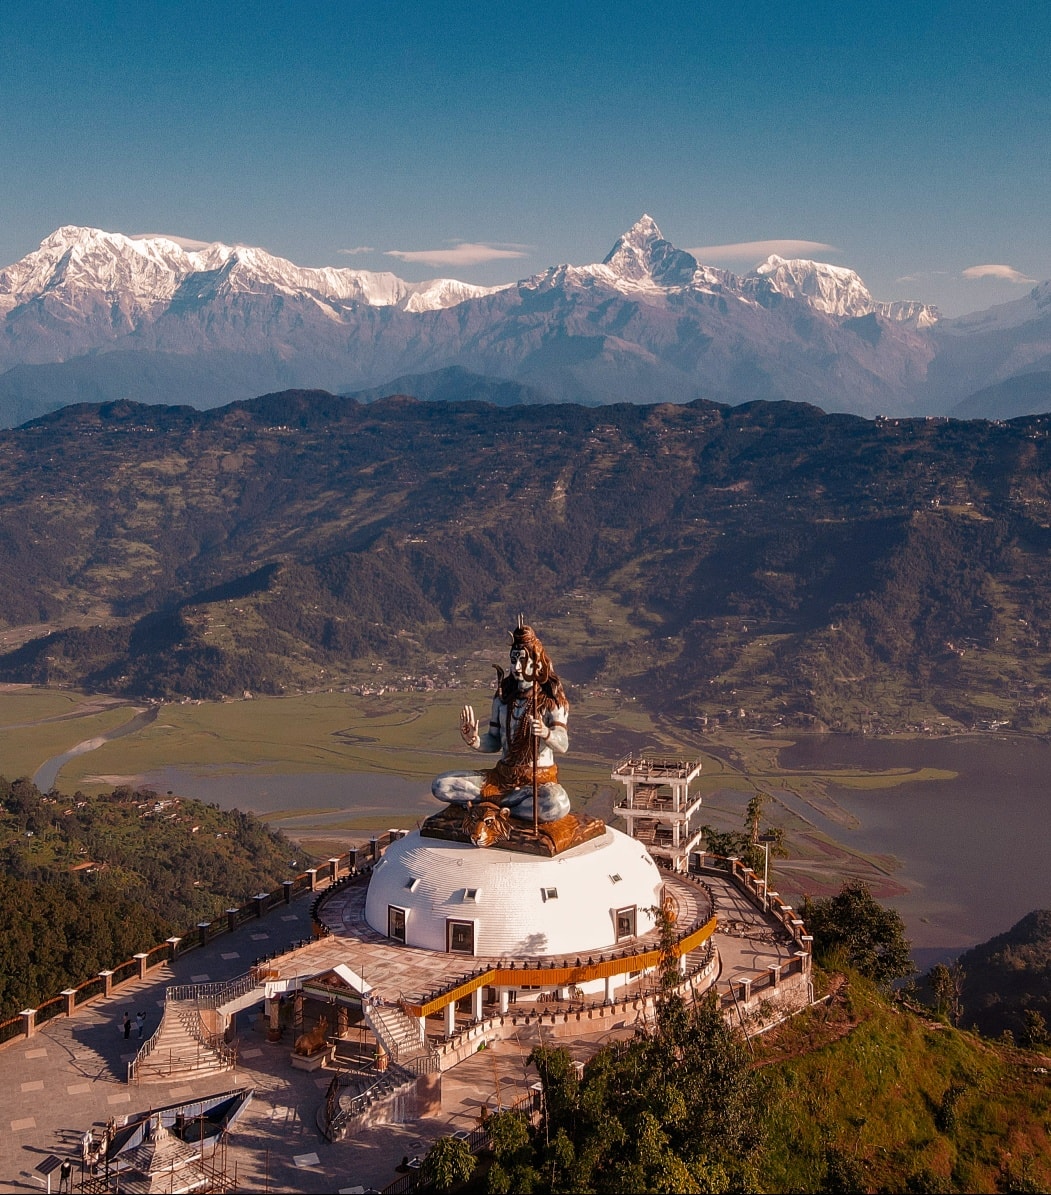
pixel 71 1075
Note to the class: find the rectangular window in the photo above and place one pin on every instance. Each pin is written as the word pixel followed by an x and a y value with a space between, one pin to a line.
pixel 396 923
pixel 549 893
pixel 625 923
pixel 459 937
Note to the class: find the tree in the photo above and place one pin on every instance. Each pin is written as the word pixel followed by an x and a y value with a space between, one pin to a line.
pixel 512 1168
pixel 853 926
pixel 1034 1032
pixel 674 1109
pixel 747 845
pixel 947 987
pixel 449 1161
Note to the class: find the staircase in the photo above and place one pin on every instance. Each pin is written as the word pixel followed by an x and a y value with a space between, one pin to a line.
pixel 400 1034
pixel 181 1048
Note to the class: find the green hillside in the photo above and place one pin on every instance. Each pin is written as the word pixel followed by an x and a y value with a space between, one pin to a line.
pixel 86 882
pixel 765 564
pixel 865 1095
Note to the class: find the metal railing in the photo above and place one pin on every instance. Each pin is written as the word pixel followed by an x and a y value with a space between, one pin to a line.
pixel 216 993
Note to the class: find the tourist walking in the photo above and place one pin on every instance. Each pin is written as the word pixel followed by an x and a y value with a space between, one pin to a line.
pixel 127 1026
pixel 140 1020
pixel 65 1176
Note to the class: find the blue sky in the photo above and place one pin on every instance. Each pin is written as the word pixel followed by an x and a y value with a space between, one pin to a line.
pixel 911 139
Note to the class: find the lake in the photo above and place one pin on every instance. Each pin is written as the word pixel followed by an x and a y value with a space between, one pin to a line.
pixel 973 849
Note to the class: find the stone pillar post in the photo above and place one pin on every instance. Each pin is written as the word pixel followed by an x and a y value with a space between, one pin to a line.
pixel 273 1011
pixel 71 1000
pixel 450 1018
pixel 746 990
pixel 476 1004
pixel 775 974
pixel 260 900
pixel 202 932
pixel 505 1000
pixel 312 872
pixel 611 983
pixel 107 982
pixel 683 964
pixel 231 919
pixel 142 957
pixel 287 886
pixel 334 867
pixel 173 944
pixel 28 1016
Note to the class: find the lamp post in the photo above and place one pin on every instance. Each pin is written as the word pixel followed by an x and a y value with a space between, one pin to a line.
pixel 765 840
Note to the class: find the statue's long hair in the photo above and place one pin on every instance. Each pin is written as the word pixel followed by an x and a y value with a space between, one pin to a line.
pixel 550 693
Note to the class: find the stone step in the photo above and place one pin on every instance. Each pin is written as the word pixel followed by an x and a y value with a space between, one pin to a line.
pixel 179 1073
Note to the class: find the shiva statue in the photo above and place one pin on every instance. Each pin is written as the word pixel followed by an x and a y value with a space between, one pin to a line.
pixel 529 707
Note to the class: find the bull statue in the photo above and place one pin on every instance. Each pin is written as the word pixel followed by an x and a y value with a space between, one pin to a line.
pixel 310 1043
pixel 486 824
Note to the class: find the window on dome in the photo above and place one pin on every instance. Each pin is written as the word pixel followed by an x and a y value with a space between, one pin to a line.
pixel 413 884
pixel 615 878
pixel 396 923
pixel 625 923
pixel 470 894
pixel 549 893
pixel 459 937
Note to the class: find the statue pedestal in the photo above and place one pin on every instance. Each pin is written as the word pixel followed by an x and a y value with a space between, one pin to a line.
pixel 553 837
pixel 311 1062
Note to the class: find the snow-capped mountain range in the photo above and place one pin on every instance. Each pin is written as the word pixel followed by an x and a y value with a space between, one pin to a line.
pixel 142 273
pixel 96 315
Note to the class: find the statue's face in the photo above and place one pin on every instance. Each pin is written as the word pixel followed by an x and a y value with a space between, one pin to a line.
pixel 521 664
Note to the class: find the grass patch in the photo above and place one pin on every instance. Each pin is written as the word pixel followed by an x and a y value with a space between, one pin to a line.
pixel 868 1081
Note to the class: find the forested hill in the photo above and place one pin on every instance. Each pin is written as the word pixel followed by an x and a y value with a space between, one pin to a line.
pixel 85 882
pixel 765 558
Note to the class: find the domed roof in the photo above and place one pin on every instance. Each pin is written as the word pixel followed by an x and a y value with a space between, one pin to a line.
pixel 492 903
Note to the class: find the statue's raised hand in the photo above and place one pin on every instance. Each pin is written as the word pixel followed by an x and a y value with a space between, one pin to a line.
pixel 469 726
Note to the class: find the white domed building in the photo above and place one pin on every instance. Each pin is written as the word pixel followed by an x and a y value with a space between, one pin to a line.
pixel 456 898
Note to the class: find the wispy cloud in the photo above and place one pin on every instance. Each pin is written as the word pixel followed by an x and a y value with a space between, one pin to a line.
pixel 463 253
pixel 755 250
pixel 357 249
pixel 923 276
pixel 183 242
pixel 1003 273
